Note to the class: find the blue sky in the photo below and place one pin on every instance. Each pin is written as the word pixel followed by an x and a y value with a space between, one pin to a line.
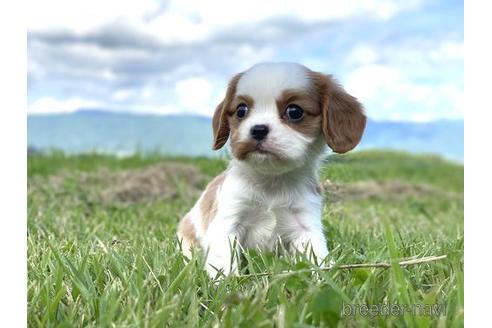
pixel 402 59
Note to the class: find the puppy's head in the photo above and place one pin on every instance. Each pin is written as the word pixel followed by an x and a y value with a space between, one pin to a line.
pixel 279 115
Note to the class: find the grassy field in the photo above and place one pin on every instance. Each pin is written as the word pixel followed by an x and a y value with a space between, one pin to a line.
pixel 102 248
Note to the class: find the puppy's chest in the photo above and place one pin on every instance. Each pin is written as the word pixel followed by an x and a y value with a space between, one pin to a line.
pixel 253 204
pixel 263 211
pixel 258 213
pixel 258 226
pixel 261 215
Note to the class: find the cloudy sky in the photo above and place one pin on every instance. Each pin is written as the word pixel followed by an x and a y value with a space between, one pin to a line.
pixel 402 59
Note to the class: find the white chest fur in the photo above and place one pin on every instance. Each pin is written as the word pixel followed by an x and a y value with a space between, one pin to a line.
pixel 258 211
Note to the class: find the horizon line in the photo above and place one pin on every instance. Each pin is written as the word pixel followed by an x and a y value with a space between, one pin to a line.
pixel 198 115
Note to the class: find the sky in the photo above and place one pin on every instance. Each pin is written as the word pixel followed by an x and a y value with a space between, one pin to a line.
pixel 402 59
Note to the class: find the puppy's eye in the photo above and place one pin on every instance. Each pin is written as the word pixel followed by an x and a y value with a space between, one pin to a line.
pixel 241 111
pixel 294 113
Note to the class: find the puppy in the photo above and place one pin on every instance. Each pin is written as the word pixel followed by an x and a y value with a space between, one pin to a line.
pixel 279 118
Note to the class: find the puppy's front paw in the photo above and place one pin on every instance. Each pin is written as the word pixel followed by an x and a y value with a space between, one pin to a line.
pixel 219 266
pixel 326 263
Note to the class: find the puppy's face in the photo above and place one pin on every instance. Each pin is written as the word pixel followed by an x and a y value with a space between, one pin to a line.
pixel 278 116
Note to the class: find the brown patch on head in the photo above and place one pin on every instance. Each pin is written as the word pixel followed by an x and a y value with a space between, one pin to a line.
pixel 308 100
pixel 208 204
pixel 187 234
pixel 220 121
pixel 240 149
pixel 238 100
pixel 343 119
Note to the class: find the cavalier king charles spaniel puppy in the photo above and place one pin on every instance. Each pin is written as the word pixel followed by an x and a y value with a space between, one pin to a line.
pixel 278 117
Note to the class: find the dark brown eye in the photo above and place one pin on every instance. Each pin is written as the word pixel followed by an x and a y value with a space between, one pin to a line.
pixel 241 111
pixel 294 113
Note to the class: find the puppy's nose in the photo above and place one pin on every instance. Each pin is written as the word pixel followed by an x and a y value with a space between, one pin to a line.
pixel 259 132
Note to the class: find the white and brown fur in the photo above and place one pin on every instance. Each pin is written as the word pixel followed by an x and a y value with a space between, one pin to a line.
pixel 269 193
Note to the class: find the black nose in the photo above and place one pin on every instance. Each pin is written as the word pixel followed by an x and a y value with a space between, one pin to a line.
pixel 259 132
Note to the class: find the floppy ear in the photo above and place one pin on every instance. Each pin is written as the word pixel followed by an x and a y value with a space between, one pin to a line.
pixel 220 123
pixel 343 119
pixel 220 127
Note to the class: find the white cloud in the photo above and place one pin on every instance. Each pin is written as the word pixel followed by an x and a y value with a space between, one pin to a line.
pixel 220 13
pixel 414 80
pixel 173 27
pixel 387 93
pixel 366 80
pixel 156 109
pixel 195 95
pixel 47 105
pixel 176 56
pixel 448 50
pixel 122 94
pixel 410 55
pixel 83 16
pixel 195 20
pixel 362 54
pixel 147 92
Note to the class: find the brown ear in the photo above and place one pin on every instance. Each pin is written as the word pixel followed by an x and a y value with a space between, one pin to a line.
pixel 220 127
pixel 343 119
pixel 220 124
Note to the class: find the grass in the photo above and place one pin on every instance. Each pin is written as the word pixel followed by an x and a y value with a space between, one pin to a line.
pixel 117 264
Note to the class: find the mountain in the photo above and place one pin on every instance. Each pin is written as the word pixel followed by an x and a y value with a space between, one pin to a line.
pixel 125 133
pixel 121 133
pixel 442 137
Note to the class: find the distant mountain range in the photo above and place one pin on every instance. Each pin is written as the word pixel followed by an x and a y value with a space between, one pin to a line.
pixel 125 133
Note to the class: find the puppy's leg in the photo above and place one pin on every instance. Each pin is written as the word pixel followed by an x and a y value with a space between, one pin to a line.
pixel 311 240
pixel 301 228
pixel 187 235
pixel 222 250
